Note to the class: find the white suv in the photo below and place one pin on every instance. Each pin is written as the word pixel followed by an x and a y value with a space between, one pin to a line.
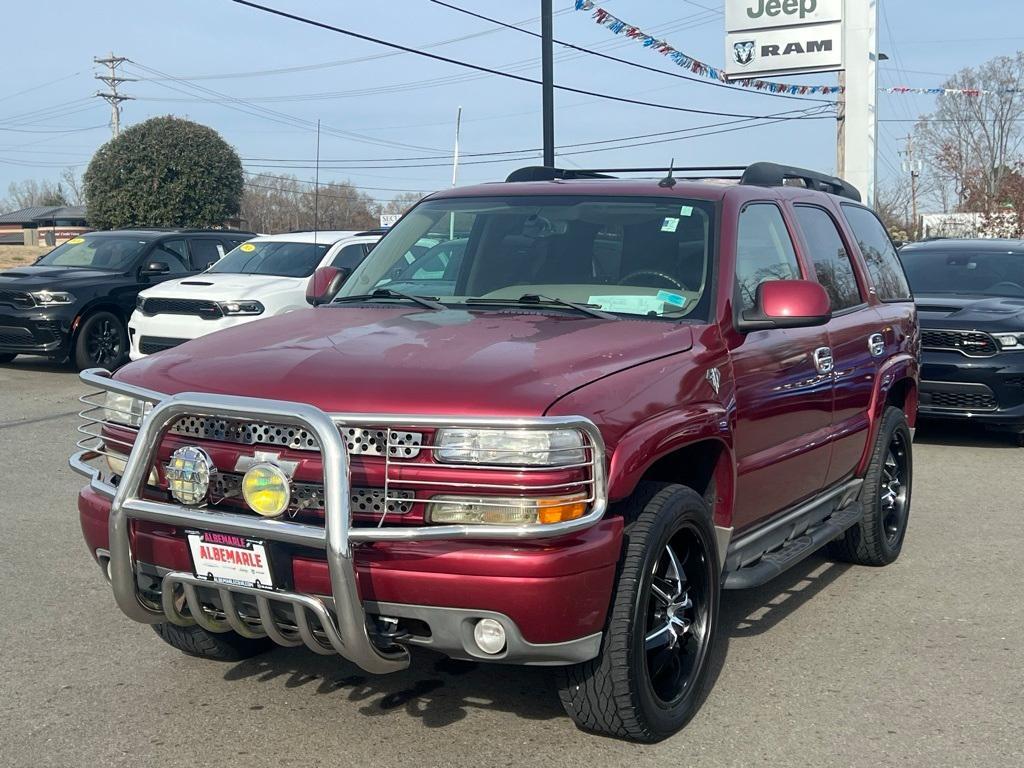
pixel 262 277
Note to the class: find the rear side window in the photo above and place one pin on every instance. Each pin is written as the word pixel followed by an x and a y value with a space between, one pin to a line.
pixel 832 264
pixel 349 257
pixel 879 255
pixel 764 251
pixel 205 252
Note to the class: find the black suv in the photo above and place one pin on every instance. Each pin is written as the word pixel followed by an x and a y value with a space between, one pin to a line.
pixel 970 300
pixel 76 300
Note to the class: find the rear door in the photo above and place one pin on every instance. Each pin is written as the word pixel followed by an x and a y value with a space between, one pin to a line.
pixel 783 399
pixel 851 331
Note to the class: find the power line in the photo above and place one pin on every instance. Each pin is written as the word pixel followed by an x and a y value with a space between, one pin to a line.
pixel 489 70
pixel 624 61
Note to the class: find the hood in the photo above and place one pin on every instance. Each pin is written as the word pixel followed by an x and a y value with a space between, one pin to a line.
pixel 961 312
pixel 225 286
pixel 61 278
pixel 391 359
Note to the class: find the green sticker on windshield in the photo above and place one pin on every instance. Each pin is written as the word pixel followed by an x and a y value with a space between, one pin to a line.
pixel 686 210
pixel 670 224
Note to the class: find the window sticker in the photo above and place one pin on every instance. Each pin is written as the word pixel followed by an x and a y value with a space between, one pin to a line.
pixel 670 224
pixel 76 240
pixel 633 305
pixel 671 298
pixel 247 247
pixel 686 210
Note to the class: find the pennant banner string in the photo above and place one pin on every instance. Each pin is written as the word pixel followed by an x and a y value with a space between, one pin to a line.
pixel 619 27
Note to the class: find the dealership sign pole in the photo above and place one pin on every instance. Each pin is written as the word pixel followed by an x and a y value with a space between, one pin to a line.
pixel 766 38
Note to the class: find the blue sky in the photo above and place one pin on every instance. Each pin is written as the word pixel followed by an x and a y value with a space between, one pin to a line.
pixel 403 106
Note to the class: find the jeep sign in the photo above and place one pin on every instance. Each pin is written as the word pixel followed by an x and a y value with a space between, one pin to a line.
pixel 767 52
pixel 765 14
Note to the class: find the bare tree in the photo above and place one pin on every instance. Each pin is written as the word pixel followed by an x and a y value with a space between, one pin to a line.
pixel 973 138
pixel 72 184
pixel 284 203
pixel 893 206
pixel 28 193
pixel 401 203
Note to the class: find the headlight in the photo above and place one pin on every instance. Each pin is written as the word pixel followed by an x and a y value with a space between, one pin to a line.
pixel 513 447
pixel 52 298
pixel 240 307
pixel 500 510
pixel 125 409
pixel 1009 341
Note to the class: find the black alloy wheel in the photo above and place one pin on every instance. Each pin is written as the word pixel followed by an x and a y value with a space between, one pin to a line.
pixel 675 636
pixel 895 482
pixel 102 342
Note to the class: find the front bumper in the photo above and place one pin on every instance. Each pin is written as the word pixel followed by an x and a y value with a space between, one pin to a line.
pixel 149 334
pixel 548 587
pixel 35 331
pixel 989 390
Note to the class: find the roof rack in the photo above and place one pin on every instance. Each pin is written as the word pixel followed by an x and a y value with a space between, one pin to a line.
pixel 756 174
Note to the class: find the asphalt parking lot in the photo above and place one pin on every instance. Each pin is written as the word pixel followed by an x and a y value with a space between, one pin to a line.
pixel 918 664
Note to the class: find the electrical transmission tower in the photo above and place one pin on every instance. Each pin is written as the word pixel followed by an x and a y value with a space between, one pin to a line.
pixel 111 95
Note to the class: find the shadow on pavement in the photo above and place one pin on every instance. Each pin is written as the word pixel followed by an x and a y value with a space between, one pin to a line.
pixel 963 435
pixel 437 690
pixel 40 364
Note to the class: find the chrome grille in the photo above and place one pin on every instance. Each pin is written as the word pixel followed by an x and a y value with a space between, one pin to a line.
pixel 365 441
pixel 369 501
pixel 969 343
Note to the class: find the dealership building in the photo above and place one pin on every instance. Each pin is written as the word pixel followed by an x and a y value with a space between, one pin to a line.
pixel 42 225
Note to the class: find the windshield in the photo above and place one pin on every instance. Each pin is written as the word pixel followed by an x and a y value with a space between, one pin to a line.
pixel 114 254
pixel 273 257
pixel 992 273
pixel 631 256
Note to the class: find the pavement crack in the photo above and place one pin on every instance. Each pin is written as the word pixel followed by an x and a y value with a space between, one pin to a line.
pixel 37 420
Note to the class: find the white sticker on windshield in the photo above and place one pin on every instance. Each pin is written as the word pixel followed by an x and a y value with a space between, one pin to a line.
pixel 686 210
pixel 670 224
pixel 633 305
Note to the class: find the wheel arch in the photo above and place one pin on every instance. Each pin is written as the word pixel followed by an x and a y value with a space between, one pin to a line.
pixel 895 385
pixel 103 304
pixel 691 448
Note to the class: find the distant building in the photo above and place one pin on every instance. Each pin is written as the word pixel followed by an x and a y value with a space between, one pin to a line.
pixel 970 225
pixel 42 225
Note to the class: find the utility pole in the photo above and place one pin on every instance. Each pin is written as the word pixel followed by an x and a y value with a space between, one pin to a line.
pixel 914 168
pixel 548 79
pixel 111 96
pixel 841 127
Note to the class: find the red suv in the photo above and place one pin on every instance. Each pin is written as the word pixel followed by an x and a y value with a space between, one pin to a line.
pixel 554 446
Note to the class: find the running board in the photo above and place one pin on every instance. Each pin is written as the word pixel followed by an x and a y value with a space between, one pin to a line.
pixel 793 551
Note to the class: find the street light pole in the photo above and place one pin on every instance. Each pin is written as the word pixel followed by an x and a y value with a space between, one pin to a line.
pixel 547 77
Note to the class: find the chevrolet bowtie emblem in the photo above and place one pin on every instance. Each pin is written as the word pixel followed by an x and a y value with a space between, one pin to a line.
pixel 245 463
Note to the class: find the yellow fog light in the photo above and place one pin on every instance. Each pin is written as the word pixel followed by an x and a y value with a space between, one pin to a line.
pixel 266 489
pixel 501 510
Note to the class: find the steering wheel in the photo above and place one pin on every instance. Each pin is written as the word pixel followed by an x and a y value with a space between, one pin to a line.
pixel 655 273
pixel 1008 284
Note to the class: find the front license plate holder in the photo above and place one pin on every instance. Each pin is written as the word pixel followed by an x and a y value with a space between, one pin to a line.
pixel 225 558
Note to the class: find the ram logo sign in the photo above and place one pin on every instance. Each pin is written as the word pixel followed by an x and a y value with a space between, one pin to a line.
pixel 773 37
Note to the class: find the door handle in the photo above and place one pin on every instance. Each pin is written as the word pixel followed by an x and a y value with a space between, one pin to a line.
pixel 823 360
pixel 876 344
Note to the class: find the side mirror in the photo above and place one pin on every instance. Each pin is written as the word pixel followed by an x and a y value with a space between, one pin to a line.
pixel 324 284
pixel 787 304
pixel 155 268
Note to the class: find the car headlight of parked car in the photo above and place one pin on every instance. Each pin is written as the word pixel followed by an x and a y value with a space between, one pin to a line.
pixel 125 409
pixel 240 307
pixel 510 447
pixel 1010 341
pixel 501 510
pixel 52 298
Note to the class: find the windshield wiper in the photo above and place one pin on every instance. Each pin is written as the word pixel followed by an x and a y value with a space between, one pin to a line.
pixel 388 293
pixel 534 298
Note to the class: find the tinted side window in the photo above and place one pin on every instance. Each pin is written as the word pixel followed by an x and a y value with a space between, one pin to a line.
pixel 205 252
pixel 174 253
pixel 832 264
pixel 349 257
pixel 763 251
pixel 882 261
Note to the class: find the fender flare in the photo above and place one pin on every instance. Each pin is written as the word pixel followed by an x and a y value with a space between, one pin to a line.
pixel 636 451
pixel 902 367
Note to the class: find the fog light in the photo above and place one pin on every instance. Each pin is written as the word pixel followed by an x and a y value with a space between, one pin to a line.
pixel 266 490
pixel 489 636
pixel 118 462
pixel 188 474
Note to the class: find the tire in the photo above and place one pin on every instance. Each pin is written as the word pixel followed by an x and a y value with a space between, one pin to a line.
pixel 102 342
pixel 6 357
pixel 616 693
pixel 219 646
pixel 878 538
